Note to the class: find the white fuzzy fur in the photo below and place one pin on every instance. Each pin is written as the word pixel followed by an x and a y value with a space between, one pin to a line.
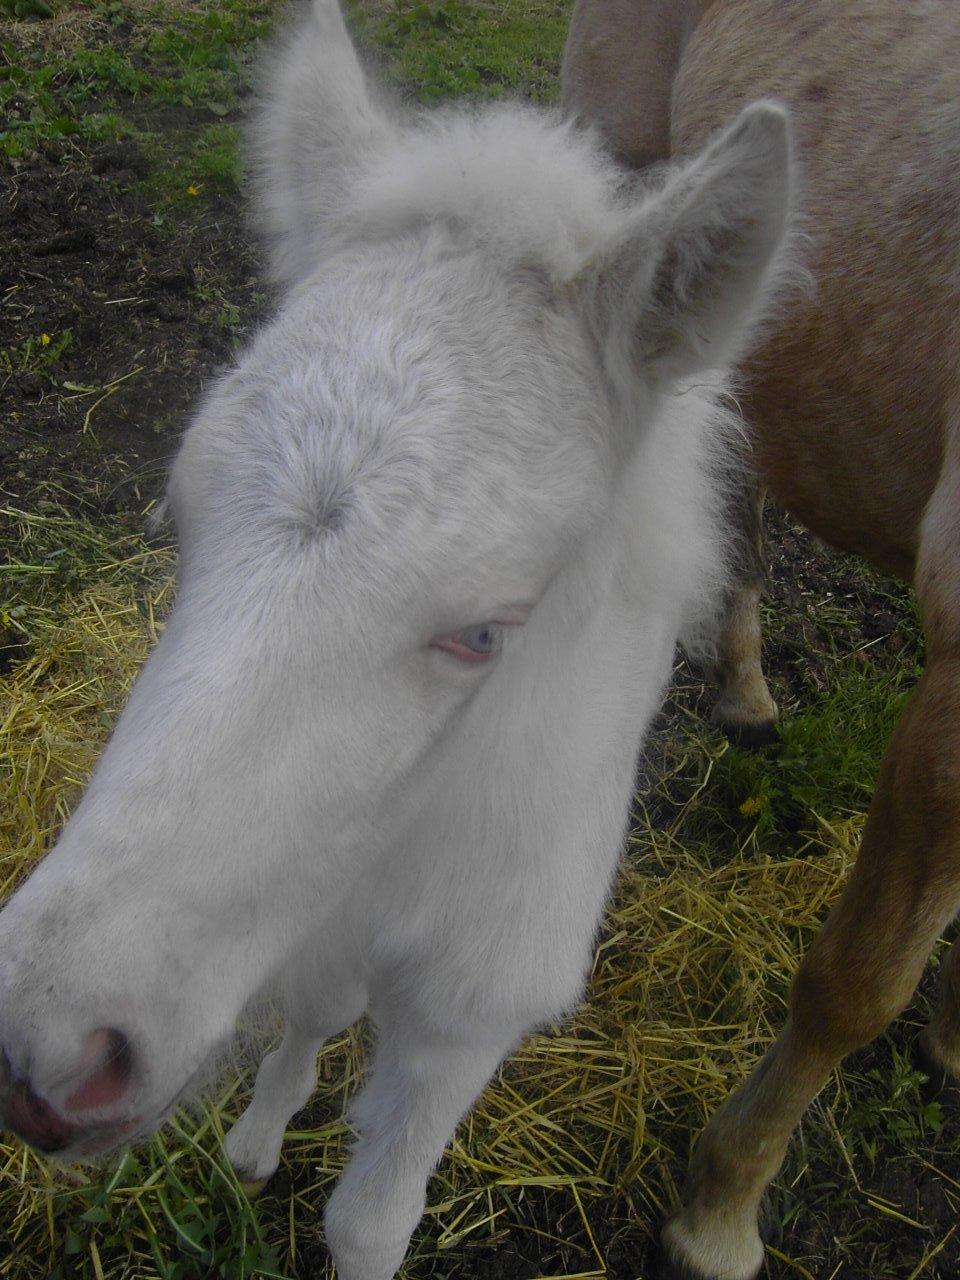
pixel 493 381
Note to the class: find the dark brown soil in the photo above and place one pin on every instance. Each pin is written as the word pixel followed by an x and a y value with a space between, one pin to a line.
pixel 144 303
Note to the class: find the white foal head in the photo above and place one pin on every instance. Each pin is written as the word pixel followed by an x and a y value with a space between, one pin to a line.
pixel 479 323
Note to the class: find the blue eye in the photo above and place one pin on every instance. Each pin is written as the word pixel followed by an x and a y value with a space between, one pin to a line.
pixel 478 643
pixel 483 638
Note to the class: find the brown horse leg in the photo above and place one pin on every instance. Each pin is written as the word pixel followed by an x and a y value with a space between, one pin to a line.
pixel 940 1040
pixel 863 967
pixel 619 65
pixel 938 569
pixel 857 976
pixel 744 708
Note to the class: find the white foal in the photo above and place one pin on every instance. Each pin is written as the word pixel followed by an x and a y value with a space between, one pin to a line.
pixel 440 530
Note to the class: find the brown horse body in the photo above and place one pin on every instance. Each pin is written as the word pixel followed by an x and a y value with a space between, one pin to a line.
pixel 852 401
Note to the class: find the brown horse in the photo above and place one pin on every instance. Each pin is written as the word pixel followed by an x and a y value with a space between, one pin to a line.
pixel 853 405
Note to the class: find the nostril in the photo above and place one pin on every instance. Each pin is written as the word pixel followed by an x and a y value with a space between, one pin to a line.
pixel 108 1060
pixel 36 1121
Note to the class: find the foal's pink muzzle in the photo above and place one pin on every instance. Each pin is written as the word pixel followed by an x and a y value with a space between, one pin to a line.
pixel 103 1076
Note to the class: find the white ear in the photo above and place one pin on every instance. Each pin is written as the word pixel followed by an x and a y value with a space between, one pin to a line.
pixel 677 293
pixel 316 127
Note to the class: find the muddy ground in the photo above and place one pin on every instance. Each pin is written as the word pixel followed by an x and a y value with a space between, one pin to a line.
pixel 152 312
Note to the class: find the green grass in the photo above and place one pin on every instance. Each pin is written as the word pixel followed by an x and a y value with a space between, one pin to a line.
pixel 199 63
pixel 25 9
pixel 205 1218
pixel 203 60
pixel 451 49
pixel 828 749
pixel 40 98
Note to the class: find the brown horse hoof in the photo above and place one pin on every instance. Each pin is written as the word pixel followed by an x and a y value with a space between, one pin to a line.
pixel 761 733
pixel 942 1085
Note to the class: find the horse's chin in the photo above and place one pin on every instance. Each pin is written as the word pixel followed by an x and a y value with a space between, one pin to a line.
pixel 101 1143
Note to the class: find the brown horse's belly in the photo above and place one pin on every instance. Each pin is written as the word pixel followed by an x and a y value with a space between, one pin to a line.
pixel 855 465
pixel 848 398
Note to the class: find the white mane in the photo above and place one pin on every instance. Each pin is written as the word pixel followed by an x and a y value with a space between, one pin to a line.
pixel 526 184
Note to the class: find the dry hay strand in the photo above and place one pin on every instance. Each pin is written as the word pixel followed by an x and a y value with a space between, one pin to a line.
pixel 689 983
pixel 56 707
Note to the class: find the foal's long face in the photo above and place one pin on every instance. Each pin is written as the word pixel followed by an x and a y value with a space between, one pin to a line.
pixel 371 510
pixel 368 509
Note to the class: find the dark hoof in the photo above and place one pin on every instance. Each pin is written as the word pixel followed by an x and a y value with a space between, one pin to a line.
pixel 751 736
pixel 666 1267
pixel 940 1085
